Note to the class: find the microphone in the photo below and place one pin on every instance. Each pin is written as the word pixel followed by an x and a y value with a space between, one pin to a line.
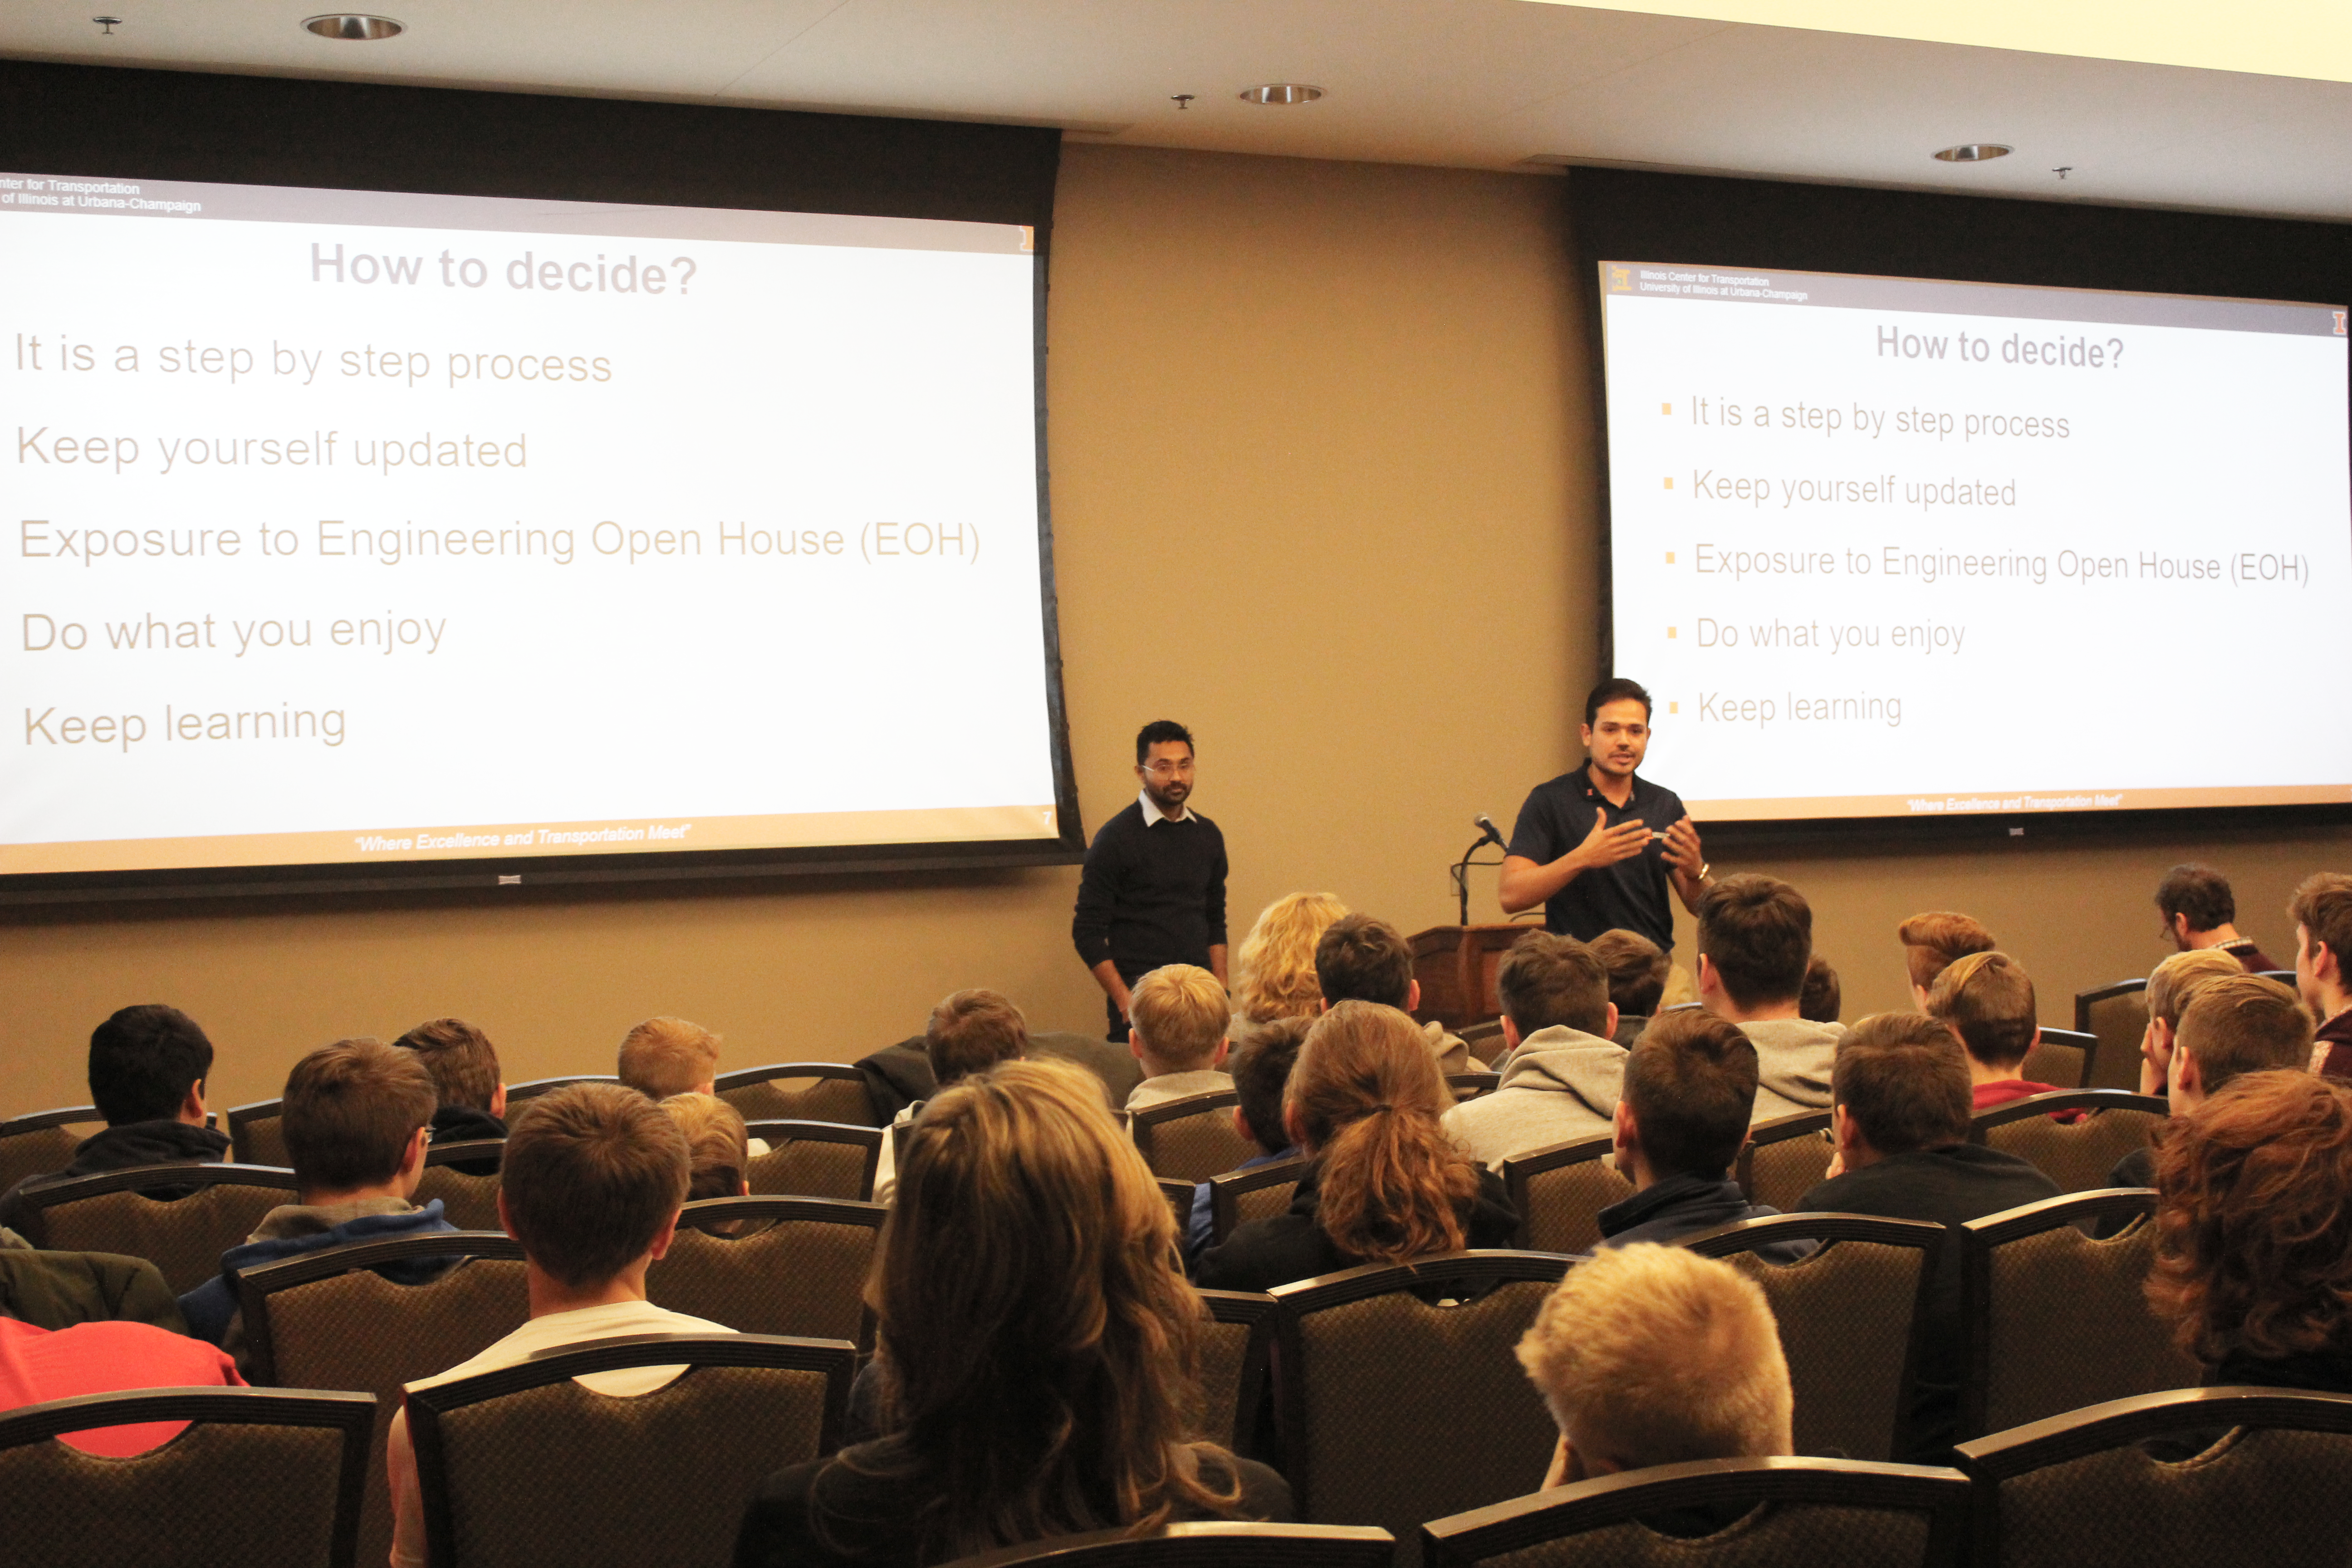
pixel 1494 835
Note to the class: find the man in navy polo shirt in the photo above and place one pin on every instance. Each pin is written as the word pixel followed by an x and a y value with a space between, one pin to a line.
pixel 1600 847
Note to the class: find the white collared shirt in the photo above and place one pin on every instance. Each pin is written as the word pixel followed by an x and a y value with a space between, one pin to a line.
pixel 1153 815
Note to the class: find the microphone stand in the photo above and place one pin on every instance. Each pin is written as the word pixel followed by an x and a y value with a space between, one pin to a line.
pixel 1461 873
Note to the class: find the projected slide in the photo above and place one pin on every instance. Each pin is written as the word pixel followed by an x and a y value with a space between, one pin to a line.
pixel 1887 547
pixel 356 527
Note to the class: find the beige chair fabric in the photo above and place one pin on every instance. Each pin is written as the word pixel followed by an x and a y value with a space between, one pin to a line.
pixel 2077 1157
pixel 469 1203
pixel 2055 1063
pixel 804 1277
pixel 814 1167
pixel 262 1142
pixel 1804 1535
pixel 2119 1022
pixel 1196 1146
pixel 1232 1353
pixel 1561 1210
pixel 1780 1173
pixel 184 1238
pixel 1845 1327
pixel 802 1098
pixel 40 1150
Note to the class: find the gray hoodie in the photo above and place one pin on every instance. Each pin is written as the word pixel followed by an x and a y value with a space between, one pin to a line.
pixel 1793 1065
pixel 1560 1087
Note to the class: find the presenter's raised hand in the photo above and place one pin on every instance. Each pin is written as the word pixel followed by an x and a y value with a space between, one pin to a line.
pixel 1682 849
pixel 1605 846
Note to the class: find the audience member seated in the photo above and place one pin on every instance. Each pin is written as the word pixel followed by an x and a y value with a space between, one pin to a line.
pixel 1177 1016
pixel 1273 971
pixel 1263 1055
pixel 1901 1126
pixel 970 1032
pixel 2322 911
pixel 665 1056
pixel 1387 1184
pixel 1038 1378
pixel 1637 977
pixel 1690 1091
pixel 2198 909
pixel 1986 1001
pixel 718 1146
pixel 40 1364
pixel 1933 942
pixel 593 1177
pixel 2171 986
pixel 1650 1355
pixel 2233 1024
pixel 147 1071
pixel 465 1068
pixel 2253 1264
pixel 1823 999
pixel 1563 1072
pixel 356 1120
pixel 1360 958
pixel 1755 938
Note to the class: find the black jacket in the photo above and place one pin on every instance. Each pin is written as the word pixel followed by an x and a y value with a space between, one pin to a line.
pixel 1293 1246
pixel 463 1124
pixel 1685 1205
pixel 162 1142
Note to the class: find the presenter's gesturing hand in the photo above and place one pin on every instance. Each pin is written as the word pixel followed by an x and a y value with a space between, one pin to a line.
pixel 1682 853
pixel 1605 846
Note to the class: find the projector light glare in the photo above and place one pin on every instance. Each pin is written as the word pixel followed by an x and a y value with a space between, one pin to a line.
pixel 1974 153
pixel 1281 92
pixel 353 28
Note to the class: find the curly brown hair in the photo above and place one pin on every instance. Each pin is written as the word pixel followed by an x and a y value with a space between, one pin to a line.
pixel 2253 1246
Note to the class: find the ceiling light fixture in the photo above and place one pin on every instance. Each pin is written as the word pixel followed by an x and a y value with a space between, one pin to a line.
pixel 1974 153
pixel 1281 92
pixel 346 28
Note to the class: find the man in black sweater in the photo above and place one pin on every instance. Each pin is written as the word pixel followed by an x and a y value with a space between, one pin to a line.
pixel 1153 891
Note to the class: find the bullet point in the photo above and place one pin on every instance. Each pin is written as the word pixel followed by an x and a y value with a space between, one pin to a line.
pixel 1670 557
pixel 1670 481
pixel 1670 631
pixel 1674 707
pixel 1666 408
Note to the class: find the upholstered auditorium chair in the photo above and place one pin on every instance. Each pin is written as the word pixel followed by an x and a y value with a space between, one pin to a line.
pixel 180 1217
pixel 532 1089
pixel 1784 1159
pixel 1236 1345
pixel 469 1199
pixel 2076 1155
pixel 44 1142
pixel 816 1160
pixel 1237 1197
pixel 1191 1139
pixel 2117 1015
pixel 256 1132
pixel 2062 1058
pixel 1559 1193
pixel 1215 1544
pixel 794 1266
pixel 799 1092
pixel 1472 1085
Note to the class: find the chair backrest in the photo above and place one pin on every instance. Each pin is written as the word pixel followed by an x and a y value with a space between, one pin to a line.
pixel 2077 1156
pixel 1471 1085
pixel 1214 1544
pixel 1236 1345
pixel 522 1465
pixel 1180 1196
pixel 44 1142
pixel 1847 1512
pixel 1849 1317
pixel 1237 1197
pixel 1396 1395
pixel 1559 1193
pixel 1785 1158
pixel 2117 1015
pixel 816 1160
pixel 1486 1040
pixel 1191 1139
pixel 2079 1487
pixel 2283 976
pixel 532 1089
pixel 469 1199
pixel 2063 1058
pixel 798 1267
pixel 256 1132
pixel 325 1319
pixel 799 1091
pixel 2056 1320
pixel 264 1479
pixel 212 1208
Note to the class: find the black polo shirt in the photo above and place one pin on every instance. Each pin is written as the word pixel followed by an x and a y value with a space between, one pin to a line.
pixel 1632 895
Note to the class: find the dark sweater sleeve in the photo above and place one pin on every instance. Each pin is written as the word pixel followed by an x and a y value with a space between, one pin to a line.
pixel 775 1529
pixel 1215 899
pixel 1098 890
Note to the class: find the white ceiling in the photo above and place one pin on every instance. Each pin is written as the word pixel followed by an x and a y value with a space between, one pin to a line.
pixel 1473 83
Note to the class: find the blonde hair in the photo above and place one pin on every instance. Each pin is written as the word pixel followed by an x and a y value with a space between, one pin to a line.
pixel 717 1144
pixel 1180 1015
pixel 665 1055
pixel 2171 984
pixel 1654 1355
pixel 1273 971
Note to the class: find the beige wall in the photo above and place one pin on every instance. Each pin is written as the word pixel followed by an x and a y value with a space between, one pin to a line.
pixel 1323 487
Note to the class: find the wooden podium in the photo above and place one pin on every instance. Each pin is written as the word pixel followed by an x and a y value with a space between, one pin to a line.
pixel 1455 966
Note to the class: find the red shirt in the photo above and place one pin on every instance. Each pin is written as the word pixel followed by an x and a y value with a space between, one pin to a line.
pixel 2001 1092
pixel 38 1364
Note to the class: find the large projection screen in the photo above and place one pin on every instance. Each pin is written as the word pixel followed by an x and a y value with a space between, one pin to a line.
pixel 1888 547
pixel 357 528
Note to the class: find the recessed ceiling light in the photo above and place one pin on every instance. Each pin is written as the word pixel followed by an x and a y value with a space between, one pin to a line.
pixel 1281 92
pixel 1974 153
pixel 353 28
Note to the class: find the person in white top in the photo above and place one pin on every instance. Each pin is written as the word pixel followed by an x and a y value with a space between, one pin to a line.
pixel 590 1183
pixel 1178 1018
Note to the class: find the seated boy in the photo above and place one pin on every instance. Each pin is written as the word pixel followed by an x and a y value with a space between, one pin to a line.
pixel 356 1120
pixel 1262 1063
pixel 970 1031
pixel 593 1177
pixel 1637 977
pixel 1177 1017
pixel 465 1068
pixel 663 1056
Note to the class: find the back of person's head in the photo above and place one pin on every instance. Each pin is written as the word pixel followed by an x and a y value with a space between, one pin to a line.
pixel 2322 906
pixel 2174 984
pixel 1040 1374
pixel 1691 1083
pixel 2201 893
pixel 1933 940
pixel 350 1111
pixel 2253 1248
pixel 1904 1081
pixel 1160 732
pixel 465 1067
pixel 1548 981
pixel 971 1032
pixel 1617 690
pixel 1367 1094
pixel 1654 1355
pixel 1180 1014
pixel 1264 1053
pixel 665 1055
pixel 1823 998
pixel 2243 1023
pixel 1988 1000
pixel 142 1062
pixel 1360 958
pixel 1757 932
pixel 1637 971
pixel 592 1173
pixel 1273 970
pixel 717 1144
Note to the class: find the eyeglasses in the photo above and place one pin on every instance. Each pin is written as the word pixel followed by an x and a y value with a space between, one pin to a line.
pixel 1164 769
